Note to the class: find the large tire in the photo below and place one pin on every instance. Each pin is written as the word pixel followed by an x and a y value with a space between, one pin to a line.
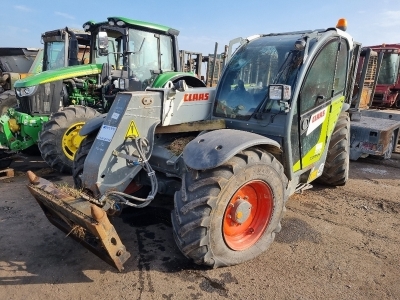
pixel 230 214
pixel 336 169
pixel 5 161
pixel 60 139
pixel 7 100
pixel 79 159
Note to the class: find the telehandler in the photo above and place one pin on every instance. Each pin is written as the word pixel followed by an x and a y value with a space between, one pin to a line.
pixel 277 120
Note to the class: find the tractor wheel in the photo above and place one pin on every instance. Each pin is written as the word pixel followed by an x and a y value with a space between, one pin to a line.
pixel 5 162
pixel 79 159
pixel 336 168
pixel 7 100
pixel 230 214
pixel 60 139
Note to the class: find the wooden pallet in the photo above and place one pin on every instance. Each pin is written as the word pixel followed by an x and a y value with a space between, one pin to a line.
pixel 6 173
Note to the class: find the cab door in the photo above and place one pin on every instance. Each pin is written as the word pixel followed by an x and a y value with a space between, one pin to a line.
pixel 320 100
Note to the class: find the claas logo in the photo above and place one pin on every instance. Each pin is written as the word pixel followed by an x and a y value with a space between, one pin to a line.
pixel 318 116
pixel 196 97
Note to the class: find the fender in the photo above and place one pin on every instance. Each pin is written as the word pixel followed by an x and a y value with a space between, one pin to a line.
pixel 214 148
pixel 92 125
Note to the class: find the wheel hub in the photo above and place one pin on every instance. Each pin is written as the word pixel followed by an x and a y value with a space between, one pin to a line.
pixel 241 211
pixel 247 215
pixel 71 140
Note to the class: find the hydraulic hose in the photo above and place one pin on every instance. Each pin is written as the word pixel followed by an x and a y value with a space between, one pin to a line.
pixel 125 198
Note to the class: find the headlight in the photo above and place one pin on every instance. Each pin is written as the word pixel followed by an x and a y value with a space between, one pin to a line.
pixel 26 91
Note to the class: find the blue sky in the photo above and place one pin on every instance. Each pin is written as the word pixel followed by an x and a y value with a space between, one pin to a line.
pixel 202 23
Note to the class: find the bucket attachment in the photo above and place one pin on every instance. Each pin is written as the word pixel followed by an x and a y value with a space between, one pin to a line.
pixel 73 213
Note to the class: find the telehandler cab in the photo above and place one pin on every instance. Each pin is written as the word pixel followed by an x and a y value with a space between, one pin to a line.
pixel 276 121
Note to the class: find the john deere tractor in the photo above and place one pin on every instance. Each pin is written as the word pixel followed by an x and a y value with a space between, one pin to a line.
pixel 15 63
pixel 126 55
pixel 18 130
pixel 231 155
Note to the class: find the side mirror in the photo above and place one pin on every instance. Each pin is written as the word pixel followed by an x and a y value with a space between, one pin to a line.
pixel 281 93
pixel 102 42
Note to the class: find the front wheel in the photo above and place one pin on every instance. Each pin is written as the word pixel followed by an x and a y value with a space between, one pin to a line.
pixel 59 139
pixel 5 160
pixel 230 214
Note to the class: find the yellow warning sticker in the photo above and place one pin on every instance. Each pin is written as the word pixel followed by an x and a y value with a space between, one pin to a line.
pixel 132 131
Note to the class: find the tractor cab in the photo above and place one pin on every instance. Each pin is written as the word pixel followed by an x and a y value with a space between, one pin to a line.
pixel 387 91
pixel 136 54
pixel 65 47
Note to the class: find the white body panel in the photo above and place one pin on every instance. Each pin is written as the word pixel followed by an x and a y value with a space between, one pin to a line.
pixel 194 104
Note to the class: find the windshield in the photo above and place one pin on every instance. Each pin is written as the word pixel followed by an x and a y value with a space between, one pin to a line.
pixel 145 53
pixel 114 57
pixel 55 55
pixel 264 61
pixel 389 68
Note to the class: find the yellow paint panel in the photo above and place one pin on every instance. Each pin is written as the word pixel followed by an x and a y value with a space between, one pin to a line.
pixel 312 176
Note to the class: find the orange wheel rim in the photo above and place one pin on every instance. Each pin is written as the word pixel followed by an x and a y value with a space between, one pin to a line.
pixel 247 215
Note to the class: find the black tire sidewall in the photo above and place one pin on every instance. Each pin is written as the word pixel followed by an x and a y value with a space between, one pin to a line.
pixel 219 248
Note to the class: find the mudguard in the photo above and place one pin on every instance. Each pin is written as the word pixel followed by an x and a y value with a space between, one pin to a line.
pixel 213 148
pixel 92 125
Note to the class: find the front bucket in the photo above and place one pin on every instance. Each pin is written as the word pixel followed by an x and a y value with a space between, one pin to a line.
pixel 74 214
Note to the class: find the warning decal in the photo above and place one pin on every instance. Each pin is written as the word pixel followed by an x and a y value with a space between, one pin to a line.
pixel 132 131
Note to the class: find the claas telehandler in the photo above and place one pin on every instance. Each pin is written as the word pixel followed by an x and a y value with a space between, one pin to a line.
pixel 277 120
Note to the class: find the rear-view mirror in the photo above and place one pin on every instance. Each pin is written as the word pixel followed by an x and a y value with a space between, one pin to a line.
pixel 102 41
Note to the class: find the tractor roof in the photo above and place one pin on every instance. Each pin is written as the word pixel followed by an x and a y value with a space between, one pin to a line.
pixel 134 23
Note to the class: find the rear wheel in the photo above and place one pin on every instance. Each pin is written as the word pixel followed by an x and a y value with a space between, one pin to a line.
pixel 5 161
pixel 336 169
pixel 230 214
pixel 59 139
pixel 7 100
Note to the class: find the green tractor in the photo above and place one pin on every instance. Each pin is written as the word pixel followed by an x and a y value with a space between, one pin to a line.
pixel 18 130
pixel 15 63
pixel 126 55
pixel 232 155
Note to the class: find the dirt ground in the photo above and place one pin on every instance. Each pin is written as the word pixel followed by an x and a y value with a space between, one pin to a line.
pixel 336 243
